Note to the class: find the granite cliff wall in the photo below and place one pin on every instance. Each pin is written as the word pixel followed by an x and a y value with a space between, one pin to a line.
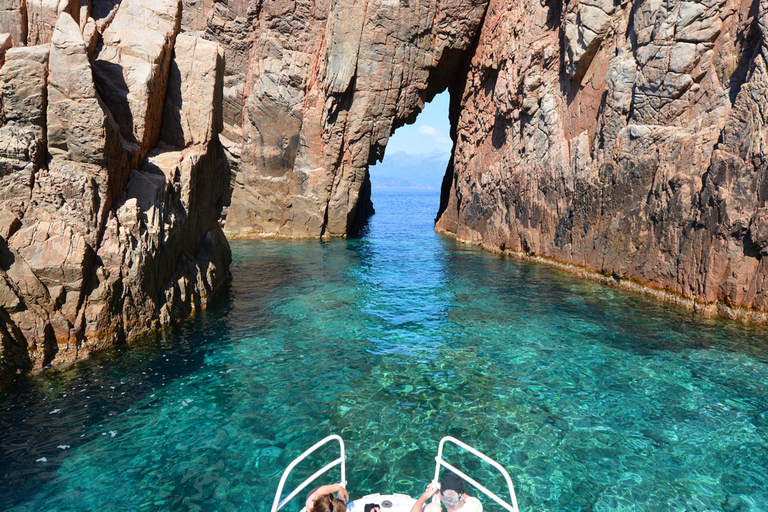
pixel 324 85
pixel 624 138
pixel 112 175
pixel 620 138
pixel 627 138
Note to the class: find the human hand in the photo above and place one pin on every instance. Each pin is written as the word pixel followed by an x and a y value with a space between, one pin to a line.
pixel 432 489
pixel 344 494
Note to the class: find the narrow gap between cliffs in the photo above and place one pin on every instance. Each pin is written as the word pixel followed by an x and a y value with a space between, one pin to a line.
pixel 416 156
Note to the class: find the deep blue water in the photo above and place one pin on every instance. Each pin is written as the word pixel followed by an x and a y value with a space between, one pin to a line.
pixel 593 398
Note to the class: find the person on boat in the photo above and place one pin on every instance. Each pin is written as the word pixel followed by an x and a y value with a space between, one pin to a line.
pixel 451 493
pixel 322 499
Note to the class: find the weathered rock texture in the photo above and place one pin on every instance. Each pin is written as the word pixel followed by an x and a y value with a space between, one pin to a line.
pixel 623 138
pixel 627 138
pixel 325 86
pixel 108 227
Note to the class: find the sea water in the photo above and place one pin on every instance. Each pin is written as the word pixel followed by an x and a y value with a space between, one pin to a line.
pixel 593 398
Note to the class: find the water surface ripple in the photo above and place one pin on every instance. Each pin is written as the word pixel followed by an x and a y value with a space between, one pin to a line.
pixel 594 398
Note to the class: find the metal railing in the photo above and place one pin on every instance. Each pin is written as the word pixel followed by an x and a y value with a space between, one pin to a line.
pixel 440 462
pixel 278 504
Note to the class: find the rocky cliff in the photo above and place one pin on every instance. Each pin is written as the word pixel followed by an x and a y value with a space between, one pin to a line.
pixel 621 138
pixel 325 85
pixel 624 138
pixel 112 173
pixel 614 137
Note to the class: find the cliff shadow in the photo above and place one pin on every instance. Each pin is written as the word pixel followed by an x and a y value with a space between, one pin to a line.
pixel 72 406
pixel 171 131
pixel 113 90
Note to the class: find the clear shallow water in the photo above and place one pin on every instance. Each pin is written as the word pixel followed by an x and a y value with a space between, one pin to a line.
pixel 593 398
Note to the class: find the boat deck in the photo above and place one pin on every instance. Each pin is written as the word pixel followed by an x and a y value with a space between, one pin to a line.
pixel 387 502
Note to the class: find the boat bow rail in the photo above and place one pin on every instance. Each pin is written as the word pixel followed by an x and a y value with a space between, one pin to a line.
pixel 511 506
pixel 403 502
pixel 278 503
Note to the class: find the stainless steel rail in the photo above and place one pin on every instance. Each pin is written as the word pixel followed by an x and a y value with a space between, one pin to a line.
pixel 278 503
pixel 512 507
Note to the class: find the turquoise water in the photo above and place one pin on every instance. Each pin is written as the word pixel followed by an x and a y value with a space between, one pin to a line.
pixel 593 398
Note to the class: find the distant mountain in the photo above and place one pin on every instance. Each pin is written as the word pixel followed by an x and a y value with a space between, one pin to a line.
pixel 401 170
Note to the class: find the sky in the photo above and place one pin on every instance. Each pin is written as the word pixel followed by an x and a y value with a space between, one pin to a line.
pixel 428 134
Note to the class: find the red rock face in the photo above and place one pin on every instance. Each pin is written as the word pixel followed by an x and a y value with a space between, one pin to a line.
pixel 109 227
pixel 624 137
pixel 327 83
pixel 628 138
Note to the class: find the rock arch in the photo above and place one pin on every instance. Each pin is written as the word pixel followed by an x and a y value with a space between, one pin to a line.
pixel 322 103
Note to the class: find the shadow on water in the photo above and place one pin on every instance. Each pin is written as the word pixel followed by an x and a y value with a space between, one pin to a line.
pixel 44 417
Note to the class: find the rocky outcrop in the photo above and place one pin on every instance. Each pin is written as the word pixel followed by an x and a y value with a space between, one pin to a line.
pixel 108 229
pixel 131 72
pixel 625 138
pixel 13 20
pixel 326 85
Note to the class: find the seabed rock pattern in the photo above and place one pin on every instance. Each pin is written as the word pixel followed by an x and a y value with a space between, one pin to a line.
pixel 622 139
pixel 113 177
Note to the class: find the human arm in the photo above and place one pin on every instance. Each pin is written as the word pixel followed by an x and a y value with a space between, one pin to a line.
pixel 431 490
pixel 326 489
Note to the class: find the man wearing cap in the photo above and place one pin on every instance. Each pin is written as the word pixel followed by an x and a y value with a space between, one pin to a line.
pixel 451 494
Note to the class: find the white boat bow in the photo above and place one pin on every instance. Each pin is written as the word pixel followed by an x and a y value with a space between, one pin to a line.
pixel 392 502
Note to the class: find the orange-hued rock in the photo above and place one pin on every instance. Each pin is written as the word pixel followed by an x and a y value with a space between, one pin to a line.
pixel 42 16
pixel 13 20
pixel 6 43
pixel 193 113
pixel 22 134
pixel 641 156
pixel 131 67
pixel 97 241
pixel 80 127
pixel 327 84
pixel 621 138
pixel 626 138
